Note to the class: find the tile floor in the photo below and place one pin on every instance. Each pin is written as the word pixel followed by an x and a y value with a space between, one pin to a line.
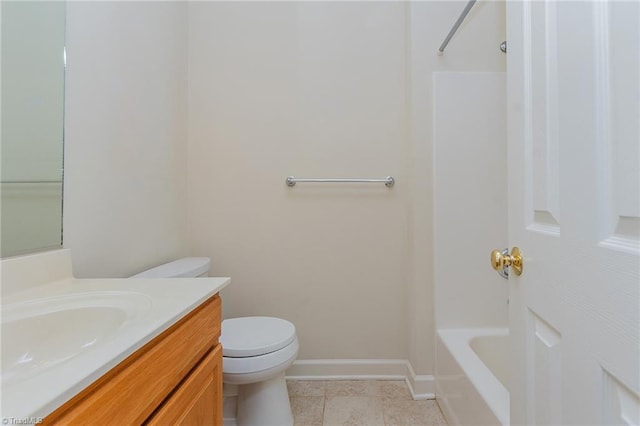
pixel 359 402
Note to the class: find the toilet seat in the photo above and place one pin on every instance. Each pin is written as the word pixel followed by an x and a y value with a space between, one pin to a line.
pixel 256 364
pixel 252 345
pixel 255 336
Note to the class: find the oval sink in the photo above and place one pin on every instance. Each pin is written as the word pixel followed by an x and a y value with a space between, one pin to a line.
pixel 40 334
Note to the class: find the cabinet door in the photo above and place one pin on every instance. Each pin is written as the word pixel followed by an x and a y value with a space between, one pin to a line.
pixel 131 392
pixel 198 401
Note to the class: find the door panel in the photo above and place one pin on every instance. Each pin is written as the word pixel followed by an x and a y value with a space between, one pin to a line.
pixel 541 114
pixel 617 91
pixel 574 208
pixel 620 403
pixel 546 366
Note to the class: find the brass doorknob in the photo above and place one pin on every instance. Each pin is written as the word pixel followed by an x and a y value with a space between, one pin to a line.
pixel 499 261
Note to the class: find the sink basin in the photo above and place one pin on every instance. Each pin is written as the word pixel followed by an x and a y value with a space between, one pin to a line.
pixel 40 334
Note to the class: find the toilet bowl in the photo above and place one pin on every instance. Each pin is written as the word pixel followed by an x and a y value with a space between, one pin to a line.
pixel 256 351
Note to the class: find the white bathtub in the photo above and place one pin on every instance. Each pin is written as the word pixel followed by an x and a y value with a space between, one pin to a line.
pixel 472 375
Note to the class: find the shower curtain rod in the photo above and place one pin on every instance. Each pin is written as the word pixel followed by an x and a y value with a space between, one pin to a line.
pixel 463 15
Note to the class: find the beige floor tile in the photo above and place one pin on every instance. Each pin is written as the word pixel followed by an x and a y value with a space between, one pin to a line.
pixel 399 412
pixel 351 388
pixel 359 402
pixel 393 389
pixel 307 410
pixel 353 411
pixel 305 387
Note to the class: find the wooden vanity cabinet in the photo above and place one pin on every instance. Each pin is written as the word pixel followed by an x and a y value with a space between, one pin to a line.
pixel 191 403
pixel 176 379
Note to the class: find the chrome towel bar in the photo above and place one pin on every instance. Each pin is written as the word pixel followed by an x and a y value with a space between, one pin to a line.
pixel 389 181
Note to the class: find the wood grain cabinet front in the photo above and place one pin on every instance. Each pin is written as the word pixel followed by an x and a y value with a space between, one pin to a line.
pixel 176 378
pixel 193 402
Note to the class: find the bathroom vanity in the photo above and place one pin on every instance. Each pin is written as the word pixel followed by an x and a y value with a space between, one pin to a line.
pixel 109 351
pixel 174 379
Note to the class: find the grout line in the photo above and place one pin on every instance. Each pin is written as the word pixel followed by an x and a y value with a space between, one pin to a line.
pixel 324 404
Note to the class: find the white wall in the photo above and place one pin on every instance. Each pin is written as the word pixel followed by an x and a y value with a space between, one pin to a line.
pixel 125 195
pixel 311 90
pixel 470 198
pixel 325 89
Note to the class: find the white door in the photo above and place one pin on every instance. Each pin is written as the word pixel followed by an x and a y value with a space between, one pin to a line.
pixel 574 211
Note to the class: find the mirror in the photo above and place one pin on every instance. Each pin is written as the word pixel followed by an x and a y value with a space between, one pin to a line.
pixel 33 70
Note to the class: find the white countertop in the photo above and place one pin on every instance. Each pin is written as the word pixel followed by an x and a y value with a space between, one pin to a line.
pixel 158 304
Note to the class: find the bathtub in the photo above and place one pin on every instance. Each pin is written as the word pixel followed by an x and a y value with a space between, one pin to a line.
pixel 472 374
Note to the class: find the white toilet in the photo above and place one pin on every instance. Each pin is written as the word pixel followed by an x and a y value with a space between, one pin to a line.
pixel 256 352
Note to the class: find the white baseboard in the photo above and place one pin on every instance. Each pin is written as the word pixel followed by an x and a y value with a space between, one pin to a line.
pixel 421 386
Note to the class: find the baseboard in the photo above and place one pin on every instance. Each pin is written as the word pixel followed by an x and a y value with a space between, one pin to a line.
pixel 421 386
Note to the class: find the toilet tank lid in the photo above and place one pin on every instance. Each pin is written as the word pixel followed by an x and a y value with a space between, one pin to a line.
pixel 185 267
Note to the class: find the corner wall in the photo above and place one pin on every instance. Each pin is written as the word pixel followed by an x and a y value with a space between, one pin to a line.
pixel 274 93
pixel 310 89
pixel 470 198
pixel 125 186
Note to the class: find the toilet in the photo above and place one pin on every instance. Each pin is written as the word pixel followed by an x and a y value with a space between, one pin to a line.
pixel 256 351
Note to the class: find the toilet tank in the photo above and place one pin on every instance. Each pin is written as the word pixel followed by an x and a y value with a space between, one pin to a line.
pixel 181 268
